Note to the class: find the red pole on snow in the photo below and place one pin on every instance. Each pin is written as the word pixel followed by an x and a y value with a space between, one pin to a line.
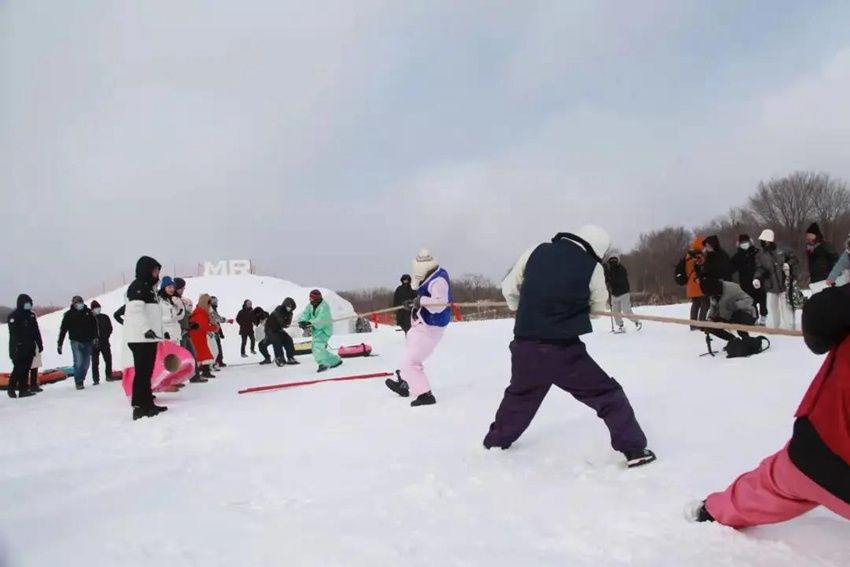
pixel 311 382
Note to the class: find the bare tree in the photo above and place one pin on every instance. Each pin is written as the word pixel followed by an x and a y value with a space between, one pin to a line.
pixel 788 204
pixel 652 262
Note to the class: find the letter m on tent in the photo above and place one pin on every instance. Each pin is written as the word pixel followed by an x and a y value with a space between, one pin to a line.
pixel 216 268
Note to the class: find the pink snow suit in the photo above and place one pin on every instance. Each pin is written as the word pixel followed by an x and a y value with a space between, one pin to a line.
pixel 814 468
pixel 424 338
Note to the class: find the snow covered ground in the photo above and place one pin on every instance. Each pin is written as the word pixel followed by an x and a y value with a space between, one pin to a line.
pixel 348 474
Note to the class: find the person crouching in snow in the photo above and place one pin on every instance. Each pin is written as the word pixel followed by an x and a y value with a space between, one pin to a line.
pixel 276 325
pixel 617 280
pixel 553 288
pixel 142 333
pixel 813 469
pixel 730 304
pixel 317 316
pixel 431 316
pixel 200 327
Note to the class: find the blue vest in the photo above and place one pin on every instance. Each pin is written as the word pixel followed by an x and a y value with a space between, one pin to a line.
pixel 442 318
pixel 554 300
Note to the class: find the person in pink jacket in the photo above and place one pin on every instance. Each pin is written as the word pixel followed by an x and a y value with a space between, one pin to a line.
pixel 431 315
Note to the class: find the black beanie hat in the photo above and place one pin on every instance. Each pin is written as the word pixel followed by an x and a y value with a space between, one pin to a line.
pixel 95 304
pixel 826 319
pixel 744 238
pixel 815 229
pixel 406 277
pixel 179 283
pixel 711 286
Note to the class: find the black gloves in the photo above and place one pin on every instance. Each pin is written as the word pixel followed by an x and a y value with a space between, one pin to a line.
pixel 303 324
pixel 194 326
pixel 59 348
pixel 413 303
pixel 167 337
pixel 150 335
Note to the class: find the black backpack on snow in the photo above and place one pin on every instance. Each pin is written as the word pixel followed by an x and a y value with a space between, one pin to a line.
pixel 680 275
pixel 738 348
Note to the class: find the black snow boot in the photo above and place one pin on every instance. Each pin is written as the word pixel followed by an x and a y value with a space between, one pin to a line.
pixel 279 362
pixel 292 362
pixel 639 458
pixel 265 361
pixel 81 387
pixel 205 372
pixel 198 380
pixel 322 368
pixel 337 365
pixel 696 512
pixel 399 386
pixel 149 411
pixel 426 399
pixel 26 394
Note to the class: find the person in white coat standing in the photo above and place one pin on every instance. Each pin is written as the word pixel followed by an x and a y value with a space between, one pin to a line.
pixel 142 333
pixel 773 267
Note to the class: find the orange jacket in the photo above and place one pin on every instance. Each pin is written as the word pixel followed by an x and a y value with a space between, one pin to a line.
pixel 694 289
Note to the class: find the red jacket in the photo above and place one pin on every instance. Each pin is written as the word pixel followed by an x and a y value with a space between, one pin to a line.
pixel 199 336
pixel 820 447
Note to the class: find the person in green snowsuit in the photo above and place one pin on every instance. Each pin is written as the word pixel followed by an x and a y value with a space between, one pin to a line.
pixel 318 316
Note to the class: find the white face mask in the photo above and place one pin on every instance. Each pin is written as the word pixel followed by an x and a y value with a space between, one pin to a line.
pixel 744 246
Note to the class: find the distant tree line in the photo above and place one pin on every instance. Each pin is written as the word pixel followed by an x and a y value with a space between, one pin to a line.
pixel 787 205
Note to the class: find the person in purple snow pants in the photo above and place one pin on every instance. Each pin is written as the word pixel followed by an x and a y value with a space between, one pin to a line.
pixel 553 288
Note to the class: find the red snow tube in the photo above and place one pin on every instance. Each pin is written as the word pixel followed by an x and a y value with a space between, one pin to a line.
pixel 354 351
pixel 174 365
pixel 46 377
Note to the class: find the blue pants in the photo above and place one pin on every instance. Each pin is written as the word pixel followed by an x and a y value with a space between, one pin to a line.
pixel 82 359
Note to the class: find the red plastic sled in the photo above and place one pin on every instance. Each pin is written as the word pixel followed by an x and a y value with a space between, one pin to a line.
pixel 174 365
pixel 354 351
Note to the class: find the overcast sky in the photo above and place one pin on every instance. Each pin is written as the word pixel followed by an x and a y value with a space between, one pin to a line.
pixel 328 141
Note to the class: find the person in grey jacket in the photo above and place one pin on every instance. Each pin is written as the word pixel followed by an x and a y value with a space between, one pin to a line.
pixel 842 266
pixel 773 265
pixel 729 303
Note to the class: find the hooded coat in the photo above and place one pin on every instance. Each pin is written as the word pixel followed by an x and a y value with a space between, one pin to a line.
pixel 281 317
pixel 718 264
pixel 143 312
pixel 203 325
pixel 246 320
pixel 769 263
pixel 820 445
pixel 732 299
pixel 692 261
pixel 24 334
pixel 555 286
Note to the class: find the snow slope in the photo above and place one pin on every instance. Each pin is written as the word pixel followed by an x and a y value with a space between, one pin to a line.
pixel 265 292
pixel 348 474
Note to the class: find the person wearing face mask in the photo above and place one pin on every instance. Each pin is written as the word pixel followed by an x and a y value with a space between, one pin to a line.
pixel 24 345
pixel 101 344
pixel 317 316
pixel 840 269
pixel 142 333
pixel 773 265
pixel 617 280
pixel 744 264
pixel 276 335
pixel 80 325
pixel 821 258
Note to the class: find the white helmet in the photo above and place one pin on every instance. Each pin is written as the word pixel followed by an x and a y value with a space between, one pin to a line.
pixel 767 236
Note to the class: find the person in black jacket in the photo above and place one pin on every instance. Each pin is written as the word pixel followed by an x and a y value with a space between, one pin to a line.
pixel 717 263
pixel 24 343
pixel 276 325
pixel 246 319
pixel 101 345
pixel 820 255
pixel 402 295
pixel 619 291
pixel 79 323
pixel 744 266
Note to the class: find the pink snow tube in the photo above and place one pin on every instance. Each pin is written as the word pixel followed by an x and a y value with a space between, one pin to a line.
pixel 354 351
pixel 174 365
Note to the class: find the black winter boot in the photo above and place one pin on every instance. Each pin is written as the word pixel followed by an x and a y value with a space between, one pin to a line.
pixel 399 386
pixel 426 399
pixel 639 458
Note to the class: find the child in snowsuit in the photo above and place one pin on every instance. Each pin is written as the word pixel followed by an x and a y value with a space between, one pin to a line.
pixel 553 288
pixel 431 316
pixel 317 316
pixel 813 469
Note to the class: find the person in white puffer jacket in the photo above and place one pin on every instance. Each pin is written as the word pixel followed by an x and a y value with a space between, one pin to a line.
pixel 142 333
pixel 173 310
